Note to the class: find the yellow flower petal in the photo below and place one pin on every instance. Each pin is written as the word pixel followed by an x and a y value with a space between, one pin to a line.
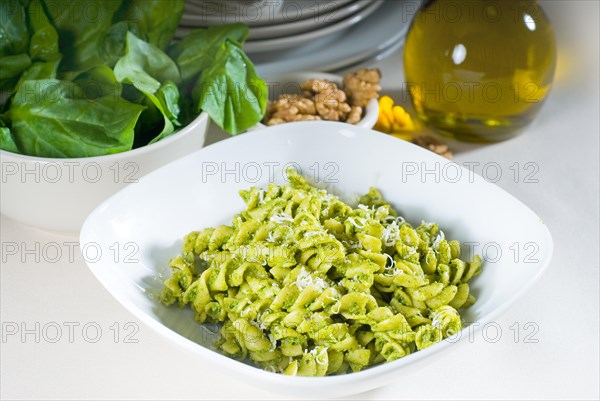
pixel 387 113
pixel 386 102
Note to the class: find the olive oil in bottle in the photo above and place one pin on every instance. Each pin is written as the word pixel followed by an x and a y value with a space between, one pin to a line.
pixel 479 70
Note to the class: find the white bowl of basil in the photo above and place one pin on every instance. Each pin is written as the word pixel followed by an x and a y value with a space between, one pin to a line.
pixel 57 194
pixel 91 102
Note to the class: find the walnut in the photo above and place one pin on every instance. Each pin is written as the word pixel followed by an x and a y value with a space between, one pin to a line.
pixel 308 94
pixel 362 86
pixel 355 115
pixel 290 108
pixel 430 143
pixel 330 101
pixel 314 86
pixel 307 117
pixel 321 99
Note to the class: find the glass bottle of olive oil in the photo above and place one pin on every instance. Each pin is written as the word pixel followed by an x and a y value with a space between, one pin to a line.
pixel 479 70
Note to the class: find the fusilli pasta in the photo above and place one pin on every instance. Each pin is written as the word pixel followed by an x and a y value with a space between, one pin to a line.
pixel 304 284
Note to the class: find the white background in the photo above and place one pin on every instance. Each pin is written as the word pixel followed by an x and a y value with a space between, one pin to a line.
pixel 560 361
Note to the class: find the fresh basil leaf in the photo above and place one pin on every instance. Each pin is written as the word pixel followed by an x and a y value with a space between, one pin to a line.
pixel 196 51
pixel 158 117
pixel 112 45
pixel 168 95
pixel 14 36
pixel 155 21
pixel 152 123
pixel 14 39
pixel 7 142
pixel 230 91
pixel 53 118
pixel 161 116
pixel 39 70
pixel 98 82
pixel 11 67
pixel 145 66
pixel 168 104
pixel 43 45
pixel 80 26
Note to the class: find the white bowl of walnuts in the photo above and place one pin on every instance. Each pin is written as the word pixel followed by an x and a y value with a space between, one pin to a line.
pixel 310 96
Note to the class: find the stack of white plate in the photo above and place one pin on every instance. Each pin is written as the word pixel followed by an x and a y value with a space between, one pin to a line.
pixel 291 35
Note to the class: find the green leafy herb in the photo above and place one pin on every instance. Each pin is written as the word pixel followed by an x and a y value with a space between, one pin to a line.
pixel 53 118
pixel 168 95
pixel 96 77
pixel 228 85
pixel 98 82
pixel 196 51
pixel 80 27
pixel 44 38
pixel 145 66
pixel 11 67
pixel 168 104
pixel 7 142
pixel 43 46
pixel 39 70
pixel 154 21
pixel 14 35
pixel 14 38
pixel 112 45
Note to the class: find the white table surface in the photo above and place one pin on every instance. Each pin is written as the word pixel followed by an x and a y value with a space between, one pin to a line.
pixel 555 356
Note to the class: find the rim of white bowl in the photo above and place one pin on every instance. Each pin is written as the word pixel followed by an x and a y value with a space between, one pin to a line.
pixel 133 152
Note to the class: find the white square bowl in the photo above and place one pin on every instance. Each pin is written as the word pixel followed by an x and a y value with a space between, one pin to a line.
pixel 147 220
